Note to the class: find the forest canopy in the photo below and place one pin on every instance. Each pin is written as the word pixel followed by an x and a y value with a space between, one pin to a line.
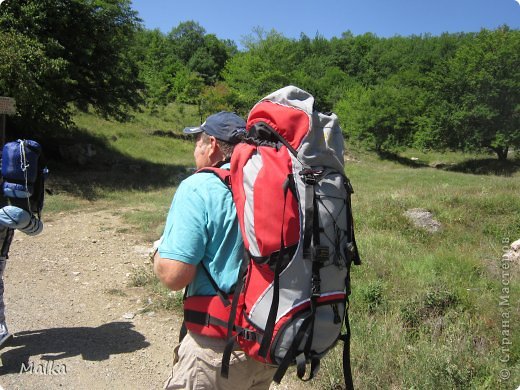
pixel 453 91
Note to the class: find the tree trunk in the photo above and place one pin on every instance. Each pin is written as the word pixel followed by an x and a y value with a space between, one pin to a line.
pixel 501 152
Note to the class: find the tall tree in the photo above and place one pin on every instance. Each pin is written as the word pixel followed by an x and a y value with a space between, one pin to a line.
pixel 187 38
pixel 475 101
pixel 84 42
pixel 266 65
pixel 158 65
pixel 382 116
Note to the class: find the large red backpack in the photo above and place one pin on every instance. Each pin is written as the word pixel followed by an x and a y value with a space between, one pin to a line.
pixel 293 204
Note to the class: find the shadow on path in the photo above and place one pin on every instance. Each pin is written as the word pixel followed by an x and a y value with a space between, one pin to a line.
pixel 59 343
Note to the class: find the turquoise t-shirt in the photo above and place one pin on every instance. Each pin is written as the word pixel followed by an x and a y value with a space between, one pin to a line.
pixel 202 226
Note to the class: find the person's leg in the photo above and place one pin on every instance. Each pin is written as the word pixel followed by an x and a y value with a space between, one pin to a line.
pixel 5 336
pixel 246 373
pixel 184 366
pixel 199 362
pixel 263 376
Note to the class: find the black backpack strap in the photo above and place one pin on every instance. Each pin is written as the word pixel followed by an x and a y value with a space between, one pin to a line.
pixel 318 256
pixel 226 356
pixel 6 244
pixel 263 131
pixel 221 294
pixel 353 250
pixel 291 353
pixel 271 319
pixel 301 367
pixel 347 369
pixel 308 323
pixel 184 331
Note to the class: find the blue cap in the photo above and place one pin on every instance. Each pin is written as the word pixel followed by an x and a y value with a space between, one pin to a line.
pixel 225 126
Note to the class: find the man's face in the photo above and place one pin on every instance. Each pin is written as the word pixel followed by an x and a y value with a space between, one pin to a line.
pixel 201 153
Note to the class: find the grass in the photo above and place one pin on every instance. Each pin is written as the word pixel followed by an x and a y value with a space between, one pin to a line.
pixel 136 168
pixel 425 308
pixel 162 298
pixel 433 297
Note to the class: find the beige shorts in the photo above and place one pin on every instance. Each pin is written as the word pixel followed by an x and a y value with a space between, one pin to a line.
pixel 197 362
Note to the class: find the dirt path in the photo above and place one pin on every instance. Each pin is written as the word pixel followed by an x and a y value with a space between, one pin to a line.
pixel 76 322
pixel 73 314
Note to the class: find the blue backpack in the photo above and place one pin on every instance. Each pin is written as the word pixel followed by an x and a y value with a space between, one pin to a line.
pixel 23 172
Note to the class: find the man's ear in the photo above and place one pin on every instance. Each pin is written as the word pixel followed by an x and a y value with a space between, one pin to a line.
pixel 214 151
pixel 212 145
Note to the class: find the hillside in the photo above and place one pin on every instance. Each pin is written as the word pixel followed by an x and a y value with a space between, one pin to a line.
pixel 425 307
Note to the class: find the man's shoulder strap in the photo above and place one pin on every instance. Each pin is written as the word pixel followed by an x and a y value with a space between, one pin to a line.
pixel 222 174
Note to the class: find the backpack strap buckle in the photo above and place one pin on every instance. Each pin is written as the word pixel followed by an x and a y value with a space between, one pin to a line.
pixel 320 253
pixel 316 286
pixel 249 335
pixel 310 176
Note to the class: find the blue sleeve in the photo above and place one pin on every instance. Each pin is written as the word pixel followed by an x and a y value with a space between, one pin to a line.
pixel 185 235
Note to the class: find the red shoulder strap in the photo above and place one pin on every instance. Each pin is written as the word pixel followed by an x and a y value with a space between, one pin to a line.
pixel 222 174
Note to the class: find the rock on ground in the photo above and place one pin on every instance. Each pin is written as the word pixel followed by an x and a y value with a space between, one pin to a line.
pixel 423 219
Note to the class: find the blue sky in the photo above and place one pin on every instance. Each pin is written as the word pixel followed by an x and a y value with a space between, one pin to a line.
pixel 235 19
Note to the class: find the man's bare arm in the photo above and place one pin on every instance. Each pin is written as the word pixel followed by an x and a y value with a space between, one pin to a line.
pixel 174 274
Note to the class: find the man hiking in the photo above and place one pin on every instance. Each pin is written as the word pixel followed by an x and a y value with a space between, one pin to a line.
pixel 201 250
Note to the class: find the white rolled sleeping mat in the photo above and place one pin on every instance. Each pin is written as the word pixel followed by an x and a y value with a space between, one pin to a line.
pixel 17 218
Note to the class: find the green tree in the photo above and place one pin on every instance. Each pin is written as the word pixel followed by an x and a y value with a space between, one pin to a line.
pixel 84 47
pixel 351 55
pixel 382 116
pixel 266 65
pixel 209 60
pixel 315 70
pixel 202 53
pixel 153 53
pixel 187 37
pixel 24 73
pixel 172 66
pixel 475 99
pixel 216 98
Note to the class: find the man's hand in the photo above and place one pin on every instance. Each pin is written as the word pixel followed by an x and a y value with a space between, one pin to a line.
pixel 155 248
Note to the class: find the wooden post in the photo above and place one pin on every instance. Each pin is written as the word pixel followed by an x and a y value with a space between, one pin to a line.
pixel 7 107
pixel 3 130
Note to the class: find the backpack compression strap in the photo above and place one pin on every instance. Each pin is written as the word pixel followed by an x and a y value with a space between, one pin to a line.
pixel 231 326
pixel 347 369
pixel 317 256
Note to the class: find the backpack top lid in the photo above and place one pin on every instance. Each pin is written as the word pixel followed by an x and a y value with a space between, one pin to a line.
pixel 316 137
pixel 292 125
